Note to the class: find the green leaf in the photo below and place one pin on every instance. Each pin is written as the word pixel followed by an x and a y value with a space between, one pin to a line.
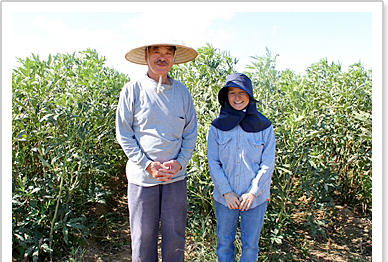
pixel 45 163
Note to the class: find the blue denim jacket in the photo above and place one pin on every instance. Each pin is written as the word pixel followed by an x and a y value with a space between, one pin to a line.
pixel 241 162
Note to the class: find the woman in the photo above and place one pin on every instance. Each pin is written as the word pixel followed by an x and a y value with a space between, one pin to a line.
pixel 241 156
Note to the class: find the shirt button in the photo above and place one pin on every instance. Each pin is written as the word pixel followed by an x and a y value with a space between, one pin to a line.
pixel 239 148
pixel 237 175
pixel 238 162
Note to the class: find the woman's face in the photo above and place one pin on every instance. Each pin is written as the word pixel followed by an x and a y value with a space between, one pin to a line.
pixel 238 98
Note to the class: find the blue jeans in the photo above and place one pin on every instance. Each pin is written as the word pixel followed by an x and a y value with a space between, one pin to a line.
pixel 250 225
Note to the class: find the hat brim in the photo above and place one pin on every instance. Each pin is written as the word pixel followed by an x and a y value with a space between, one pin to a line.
pixel 184 54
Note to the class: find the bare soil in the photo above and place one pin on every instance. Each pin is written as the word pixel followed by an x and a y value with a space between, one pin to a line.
pixel 344 235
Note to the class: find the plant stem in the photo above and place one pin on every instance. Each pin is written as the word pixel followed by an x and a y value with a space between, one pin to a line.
pixel 55 216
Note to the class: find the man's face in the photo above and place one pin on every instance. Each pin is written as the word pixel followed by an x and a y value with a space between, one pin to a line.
pixel 161 59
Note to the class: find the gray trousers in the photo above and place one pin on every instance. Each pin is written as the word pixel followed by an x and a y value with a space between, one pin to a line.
pixel 149 205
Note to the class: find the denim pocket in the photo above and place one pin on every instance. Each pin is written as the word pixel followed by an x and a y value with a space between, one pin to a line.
pixel 224 149
pixel 255 150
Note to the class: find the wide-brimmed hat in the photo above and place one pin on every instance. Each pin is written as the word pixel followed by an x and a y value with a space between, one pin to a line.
pixel 236 80
pixel 183 53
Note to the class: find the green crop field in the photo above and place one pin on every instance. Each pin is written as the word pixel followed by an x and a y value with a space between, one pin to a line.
pixel 64 153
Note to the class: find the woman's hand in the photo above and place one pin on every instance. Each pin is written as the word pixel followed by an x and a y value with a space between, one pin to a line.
pixel 247 200
pixel 232 200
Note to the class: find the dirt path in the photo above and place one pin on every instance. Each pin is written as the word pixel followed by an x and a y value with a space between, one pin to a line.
pixel 112 242
pixel 345 237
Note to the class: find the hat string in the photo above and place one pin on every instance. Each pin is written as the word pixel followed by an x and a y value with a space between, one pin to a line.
pixel 160 77
pixel 158 88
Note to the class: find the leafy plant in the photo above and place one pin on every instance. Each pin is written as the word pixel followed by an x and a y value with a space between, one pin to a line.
pixel 63 147
pixel 204 76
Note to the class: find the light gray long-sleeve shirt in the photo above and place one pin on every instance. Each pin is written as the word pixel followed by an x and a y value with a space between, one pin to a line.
pixel 152 126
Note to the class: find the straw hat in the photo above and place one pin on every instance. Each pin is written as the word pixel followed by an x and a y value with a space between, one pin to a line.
pixel 183 52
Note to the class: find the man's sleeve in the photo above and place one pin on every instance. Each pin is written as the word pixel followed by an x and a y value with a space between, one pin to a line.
pixel 124 132
pixel 189 136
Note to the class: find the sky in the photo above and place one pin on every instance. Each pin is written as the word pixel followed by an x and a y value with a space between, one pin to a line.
pixel 299 38
pixel 300 33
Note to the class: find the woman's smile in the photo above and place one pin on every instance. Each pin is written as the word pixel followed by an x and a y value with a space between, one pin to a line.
pixel 238 98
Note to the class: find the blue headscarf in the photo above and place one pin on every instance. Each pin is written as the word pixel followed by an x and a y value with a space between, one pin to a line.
pixel 249 119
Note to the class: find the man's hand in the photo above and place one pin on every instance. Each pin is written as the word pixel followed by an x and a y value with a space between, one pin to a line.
pixel 160 172
pixel 247 200
pixel 232 200
pixel 164 172
pixel 173 166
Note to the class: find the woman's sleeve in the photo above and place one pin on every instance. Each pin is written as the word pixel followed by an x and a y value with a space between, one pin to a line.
pixel 262 181
pixel 216 172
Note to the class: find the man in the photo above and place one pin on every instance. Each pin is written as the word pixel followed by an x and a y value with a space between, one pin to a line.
pixel 156 126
